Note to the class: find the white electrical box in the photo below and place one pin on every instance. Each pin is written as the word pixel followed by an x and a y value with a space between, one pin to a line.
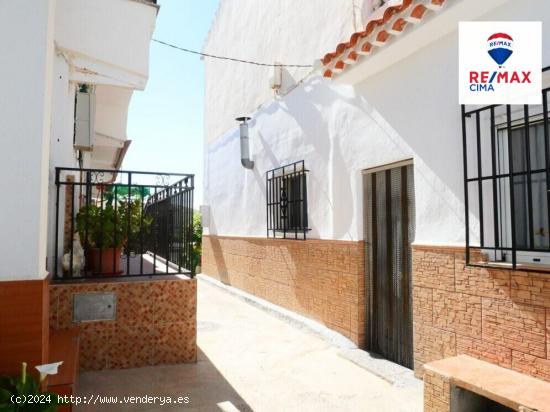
pixel 90 307
pixel 84 119
pixel 276 82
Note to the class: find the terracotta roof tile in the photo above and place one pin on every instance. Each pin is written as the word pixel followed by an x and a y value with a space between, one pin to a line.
pixel 386 22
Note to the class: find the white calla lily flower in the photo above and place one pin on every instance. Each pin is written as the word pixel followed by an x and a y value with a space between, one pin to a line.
pixel 48 369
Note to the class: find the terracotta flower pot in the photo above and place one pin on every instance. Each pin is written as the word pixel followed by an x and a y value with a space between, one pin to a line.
pixel 105 261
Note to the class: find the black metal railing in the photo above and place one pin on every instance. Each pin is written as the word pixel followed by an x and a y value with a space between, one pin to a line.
pixel 286 201
pixel 506 155
pixel 122 223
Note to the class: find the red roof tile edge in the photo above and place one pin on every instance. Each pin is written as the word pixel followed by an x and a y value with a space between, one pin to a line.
pixel 397 12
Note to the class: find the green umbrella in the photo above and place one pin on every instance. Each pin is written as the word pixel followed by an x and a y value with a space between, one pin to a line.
pixel 122 191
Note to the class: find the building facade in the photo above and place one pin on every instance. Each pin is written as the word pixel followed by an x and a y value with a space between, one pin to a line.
pixel 68 71
pixel 368 234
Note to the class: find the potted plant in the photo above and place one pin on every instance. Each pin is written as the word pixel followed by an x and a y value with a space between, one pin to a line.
pixel 139 228
pixel 106 230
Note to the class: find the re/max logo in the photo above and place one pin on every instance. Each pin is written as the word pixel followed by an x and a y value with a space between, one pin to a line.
pixel 499 43
pixel 484 80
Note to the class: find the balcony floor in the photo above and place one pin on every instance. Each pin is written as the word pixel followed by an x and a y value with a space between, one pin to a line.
pixel 151 266
pixel 251 360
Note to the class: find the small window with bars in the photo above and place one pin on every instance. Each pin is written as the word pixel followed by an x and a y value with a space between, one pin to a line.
pixel 286 194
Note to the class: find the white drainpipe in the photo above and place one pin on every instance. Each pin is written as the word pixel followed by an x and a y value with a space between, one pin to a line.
pixel 245 149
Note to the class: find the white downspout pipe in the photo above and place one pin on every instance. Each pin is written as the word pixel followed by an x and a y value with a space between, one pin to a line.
pixel 245 148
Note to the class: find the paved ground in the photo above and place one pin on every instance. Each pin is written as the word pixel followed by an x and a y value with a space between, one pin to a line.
pixel 251 360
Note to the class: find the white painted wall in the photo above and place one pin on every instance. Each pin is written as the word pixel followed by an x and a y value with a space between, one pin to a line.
pixel 47 47
pixel 27 50
pixel 284 31
pixel 61 143
pixel 106 44
pixel 408 110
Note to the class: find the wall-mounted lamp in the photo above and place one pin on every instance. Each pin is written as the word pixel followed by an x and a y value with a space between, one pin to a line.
pixel 245 150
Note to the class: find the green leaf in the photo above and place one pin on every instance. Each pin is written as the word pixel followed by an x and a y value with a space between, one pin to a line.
pixel 7 383
pixel 5 396
pixel 9 407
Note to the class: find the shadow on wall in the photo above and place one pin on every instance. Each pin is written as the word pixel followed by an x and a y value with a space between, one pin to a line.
pixel 324 140
pixel 267 150
pixel 287 81
pixel 220 260
pixel 402 105
pixel 319 279
pixel 306 124
pixel 341 130
pixel 421 109
pixel 217 252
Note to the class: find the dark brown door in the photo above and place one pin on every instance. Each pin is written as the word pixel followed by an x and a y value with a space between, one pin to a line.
pixel 389 231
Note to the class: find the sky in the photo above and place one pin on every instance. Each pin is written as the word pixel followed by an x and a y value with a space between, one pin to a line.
pixel 165 122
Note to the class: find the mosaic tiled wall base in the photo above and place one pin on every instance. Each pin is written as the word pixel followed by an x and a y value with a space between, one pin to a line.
pixel 155 322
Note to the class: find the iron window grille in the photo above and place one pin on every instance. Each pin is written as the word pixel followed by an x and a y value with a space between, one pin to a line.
pixel 286 194
pixel 506 155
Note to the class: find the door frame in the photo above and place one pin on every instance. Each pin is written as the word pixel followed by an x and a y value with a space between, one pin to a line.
pixel 369 292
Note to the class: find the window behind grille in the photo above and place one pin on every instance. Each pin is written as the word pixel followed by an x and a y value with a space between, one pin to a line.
pixel 529 188
pixel 506 154
pixel 286 194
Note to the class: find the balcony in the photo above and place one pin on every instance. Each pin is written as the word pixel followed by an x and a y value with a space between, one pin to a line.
pixel 111 223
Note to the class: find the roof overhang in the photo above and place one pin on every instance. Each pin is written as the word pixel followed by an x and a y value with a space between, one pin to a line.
pixel 106 41
pixel 111 114
pixel 397 30
pixel 90 71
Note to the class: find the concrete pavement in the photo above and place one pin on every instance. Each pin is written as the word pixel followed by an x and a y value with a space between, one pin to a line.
pixel 252 360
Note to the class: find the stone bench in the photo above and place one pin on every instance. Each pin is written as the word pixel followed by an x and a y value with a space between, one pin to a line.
pixel 462 383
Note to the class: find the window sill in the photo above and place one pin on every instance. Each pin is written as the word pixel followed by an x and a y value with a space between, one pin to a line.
pixel 526 267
